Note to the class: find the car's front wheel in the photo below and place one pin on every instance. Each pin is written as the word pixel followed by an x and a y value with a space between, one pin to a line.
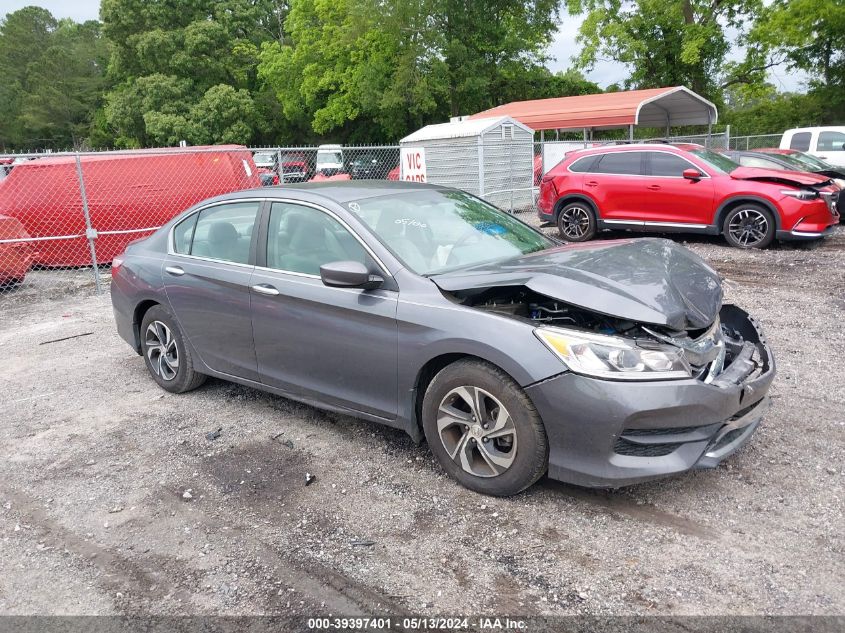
pixel 168 359
pixel 749 226
pixel 483 429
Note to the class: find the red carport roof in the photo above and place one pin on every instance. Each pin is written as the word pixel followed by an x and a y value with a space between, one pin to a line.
pixel 655 107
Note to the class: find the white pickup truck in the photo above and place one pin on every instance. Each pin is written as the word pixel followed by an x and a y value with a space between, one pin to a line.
pixel 828 143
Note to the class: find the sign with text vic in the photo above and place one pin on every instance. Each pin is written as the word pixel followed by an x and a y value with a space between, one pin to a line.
pixel 412 162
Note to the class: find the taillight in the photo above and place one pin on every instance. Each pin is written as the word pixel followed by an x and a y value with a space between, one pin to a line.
pixel 548 181
pixel 116 263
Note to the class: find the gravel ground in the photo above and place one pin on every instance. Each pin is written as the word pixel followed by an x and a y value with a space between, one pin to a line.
pixel 114 501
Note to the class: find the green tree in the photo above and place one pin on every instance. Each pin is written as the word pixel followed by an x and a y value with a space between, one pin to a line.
pixel 668 42
pixel 375 69
pixel 187 70
pixel 808 35
pixel 51 79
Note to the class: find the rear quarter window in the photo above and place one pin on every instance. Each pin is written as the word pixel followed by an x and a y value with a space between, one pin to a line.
pixel 583 164
pixel 183 234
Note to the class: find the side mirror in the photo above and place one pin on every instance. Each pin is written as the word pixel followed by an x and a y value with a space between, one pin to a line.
pixel 692 174
pixel 349 274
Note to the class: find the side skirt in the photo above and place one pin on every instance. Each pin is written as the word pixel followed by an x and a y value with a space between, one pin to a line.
pixel 663 227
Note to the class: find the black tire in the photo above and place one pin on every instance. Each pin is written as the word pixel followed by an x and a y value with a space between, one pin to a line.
pixel 749 225
pixel 524 431
pixel 576 222
pixel 180 378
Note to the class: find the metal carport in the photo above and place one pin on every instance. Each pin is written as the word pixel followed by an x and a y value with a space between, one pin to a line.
pixel 655 107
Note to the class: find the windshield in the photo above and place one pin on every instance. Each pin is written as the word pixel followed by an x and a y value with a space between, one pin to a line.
pixel 263 158
pixel 719 162
pixel 329 158
pixel 810 162
pixel 433 231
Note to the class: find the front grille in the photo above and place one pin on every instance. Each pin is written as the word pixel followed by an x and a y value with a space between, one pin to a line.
pixel 744 411
pixel 624 447
pixel 661 441
pixel 727 438
pixel 675 430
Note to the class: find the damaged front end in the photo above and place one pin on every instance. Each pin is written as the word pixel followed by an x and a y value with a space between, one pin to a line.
pixel 614 348
pixel 637 398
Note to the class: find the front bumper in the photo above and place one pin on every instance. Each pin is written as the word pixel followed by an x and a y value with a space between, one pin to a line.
pixel 797 236
pixel 609 434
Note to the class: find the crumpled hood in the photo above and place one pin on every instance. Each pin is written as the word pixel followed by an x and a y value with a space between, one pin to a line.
pixel 794 178
pixel 648 280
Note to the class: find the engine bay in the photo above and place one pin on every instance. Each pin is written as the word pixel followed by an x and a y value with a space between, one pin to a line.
pixel 521 302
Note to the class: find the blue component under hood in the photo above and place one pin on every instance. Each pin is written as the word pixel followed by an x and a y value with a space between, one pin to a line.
pixel 650 281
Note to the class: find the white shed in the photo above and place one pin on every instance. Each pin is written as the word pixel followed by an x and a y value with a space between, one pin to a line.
pixel 492 158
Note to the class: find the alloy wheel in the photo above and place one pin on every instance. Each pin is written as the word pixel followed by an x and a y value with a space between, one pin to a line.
pixel 574 222
pixel 748 227
pixel 477 431
pixel 161 350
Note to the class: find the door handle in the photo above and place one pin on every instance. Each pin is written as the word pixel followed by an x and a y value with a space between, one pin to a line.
pixel 654 187
pixel 265 289
pixel 176 271
pixel 591 183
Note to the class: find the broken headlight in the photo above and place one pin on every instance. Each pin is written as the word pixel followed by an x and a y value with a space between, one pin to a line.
pixel 614 357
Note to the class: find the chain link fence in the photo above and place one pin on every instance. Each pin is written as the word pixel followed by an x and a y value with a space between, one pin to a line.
pixel 759 141
pixel 65 216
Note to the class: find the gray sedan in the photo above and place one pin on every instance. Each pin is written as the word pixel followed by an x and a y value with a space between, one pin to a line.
pixel 426 309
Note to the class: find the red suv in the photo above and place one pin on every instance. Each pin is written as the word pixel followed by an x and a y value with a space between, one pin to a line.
pixel 684 188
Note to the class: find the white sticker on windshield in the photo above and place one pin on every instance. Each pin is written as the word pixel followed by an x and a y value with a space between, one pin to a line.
pixel 411 222
pixel 247 169
pixel 354 207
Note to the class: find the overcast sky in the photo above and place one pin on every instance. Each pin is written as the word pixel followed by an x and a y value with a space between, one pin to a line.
pixel 562 49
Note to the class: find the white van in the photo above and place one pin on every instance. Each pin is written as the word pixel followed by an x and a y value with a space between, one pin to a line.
pixel 828 143
pixel 329 159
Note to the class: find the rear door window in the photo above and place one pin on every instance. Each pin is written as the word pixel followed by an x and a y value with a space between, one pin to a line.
pixel 224 232
pixel 801 141
pixel 625 163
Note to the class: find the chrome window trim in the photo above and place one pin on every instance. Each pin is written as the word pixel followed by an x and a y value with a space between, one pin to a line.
pixel 686 225
pixel 302 276
pixel 171 239
pixel 704 174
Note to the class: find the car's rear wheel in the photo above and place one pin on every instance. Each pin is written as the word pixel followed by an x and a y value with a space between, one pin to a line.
pixel 749 226
pixel 165 354
pixel 576 222
pixel 483 429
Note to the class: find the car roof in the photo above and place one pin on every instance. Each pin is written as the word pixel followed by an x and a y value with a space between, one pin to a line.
pixel 339 191
pixel 818 128
pixel 638 147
